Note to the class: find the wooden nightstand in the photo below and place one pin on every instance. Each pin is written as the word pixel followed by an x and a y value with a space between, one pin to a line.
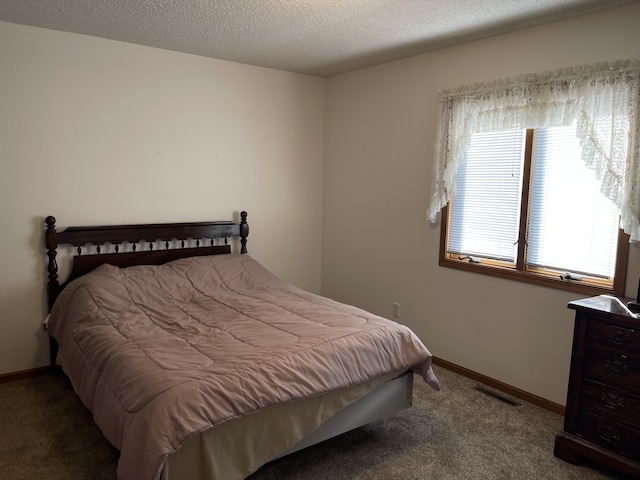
pixel 602 420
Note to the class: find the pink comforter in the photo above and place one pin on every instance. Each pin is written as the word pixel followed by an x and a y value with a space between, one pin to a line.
pixel 161 353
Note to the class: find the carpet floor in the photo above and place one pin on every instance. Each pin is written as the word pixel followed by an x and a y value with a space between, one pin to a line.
pixel 458 433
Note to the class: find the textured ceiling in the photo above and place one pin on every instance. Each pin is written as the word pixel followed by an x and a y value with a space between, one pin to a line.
pixel 316 37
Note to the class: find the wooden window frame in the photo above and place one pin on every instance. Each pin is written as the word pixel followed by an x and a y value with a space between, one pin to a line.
pixel 537 276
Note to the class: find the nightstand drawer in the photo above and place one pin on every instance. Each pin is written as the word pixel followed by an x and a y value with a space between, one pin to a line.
pixel 611 368
pixel 610 435
pixel 611 403
pixel 625 340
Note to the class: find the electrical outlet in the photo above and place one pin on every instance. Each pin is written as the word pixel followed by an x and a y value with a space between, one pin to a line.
pixel 396 310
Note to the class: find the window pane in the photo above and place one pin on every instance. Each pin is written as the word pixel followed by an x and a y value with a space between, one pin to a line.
pixel 485 209
pixel 572 226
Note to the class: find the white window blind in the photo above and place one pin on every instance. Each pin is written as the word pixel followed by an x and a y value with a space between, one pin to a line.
pixel 486 206
pixel 572 226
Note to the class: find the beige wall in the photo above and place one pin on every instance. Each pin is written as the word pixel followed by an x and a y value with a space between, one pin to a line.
pixel 96 131
pixel 380 125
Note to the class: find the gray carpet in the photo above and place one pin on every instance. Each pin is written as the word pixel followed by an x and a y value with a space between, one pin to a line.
pixel 458 433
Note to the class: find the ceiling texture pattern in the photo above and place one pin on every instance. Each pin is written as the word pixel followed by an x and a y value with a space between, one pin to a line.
pixel 314 37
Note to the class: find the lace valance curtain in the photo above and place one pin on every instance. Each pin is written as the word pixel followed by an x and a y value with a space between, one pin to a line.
pixel 602 100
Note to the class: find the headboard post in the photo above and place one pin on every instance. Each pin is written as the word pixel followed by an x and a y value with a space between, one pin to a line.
pixel 51 242
pixel 244 232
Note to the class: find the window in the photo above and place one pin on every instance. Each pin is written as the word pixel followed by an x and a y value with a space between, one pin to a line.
pixel 534 174
pixel 527 206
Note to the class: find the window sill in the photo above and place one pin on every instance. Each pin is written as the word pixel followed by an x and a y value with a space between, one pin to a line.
pixel 546 279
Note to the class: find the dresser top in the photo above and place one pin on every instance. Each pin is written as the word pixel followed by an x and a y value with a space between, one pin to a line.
pixel 608 305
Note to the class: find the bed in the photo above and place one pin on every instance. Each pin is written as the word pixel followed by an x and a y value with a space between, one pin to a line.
pixel 197 362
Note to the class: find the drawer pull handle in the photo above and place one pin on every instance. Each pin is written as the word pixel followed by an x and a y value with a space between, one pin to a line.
pixel 620 338
pixel 616 367
pixel 612 401
pixel 608 434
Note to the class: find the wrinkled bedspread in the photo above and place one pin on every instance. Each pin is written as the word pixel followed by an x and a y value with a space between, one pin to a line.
pixel 160 353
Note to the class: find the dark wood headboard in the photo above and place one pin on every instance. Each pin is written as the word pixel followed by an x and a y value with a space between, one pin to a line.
pixel 207 237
